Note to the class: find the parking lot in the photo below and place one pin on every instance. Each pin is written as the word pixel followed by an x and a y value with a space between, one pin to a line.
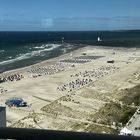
pixel 134 124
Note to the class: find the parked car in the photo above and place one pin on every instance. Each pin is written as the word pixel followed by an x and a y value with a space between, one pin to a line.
pixel 18 102
pixel 138 111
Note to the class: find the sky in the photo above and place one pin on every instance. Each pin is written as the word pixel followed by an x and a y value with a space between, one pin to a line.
pixel 69 15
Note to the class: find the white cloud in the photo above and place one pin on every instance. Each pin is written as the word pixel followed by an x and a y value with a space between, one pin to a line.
pixel 90 23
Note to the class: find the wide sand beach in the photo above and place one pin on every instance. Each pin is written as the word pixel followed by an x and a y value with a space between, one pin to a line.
pixel 72 91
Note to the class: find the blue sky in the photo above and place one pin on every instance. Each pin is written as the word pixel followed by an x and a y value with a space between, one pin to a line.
pixel 69 15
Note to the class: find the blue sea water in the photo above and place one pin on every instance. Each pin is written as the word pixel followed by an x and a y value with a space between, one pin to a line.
pixel 19 49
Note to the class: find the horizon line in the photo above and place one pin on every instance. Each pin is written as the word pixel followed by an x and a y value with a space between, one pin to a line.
pixel 73 30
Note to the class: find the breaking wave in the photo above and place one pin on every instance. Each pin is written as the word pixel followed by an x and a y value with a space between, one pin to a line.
pixel 31 54
pixel 1 51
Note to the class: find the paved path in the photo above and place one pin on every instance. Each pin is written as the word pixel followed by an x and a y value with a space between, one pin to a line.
pixel 135 122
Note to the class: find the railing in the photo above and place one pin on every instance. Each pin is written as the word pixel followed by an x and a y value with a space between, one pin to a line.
pixel 41 134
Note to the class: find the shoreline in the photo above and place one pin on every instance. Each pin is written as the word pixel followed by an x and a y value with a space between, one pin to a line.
pixel 44 62
pixel 65 97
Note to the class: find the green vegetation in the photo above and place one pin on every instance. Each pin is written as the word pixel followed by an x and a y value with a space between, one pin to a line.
pixel 127 114
pixel 88 127
pixel 113 112
pixel 56 108
pixel 132 96
pixel 100 129
pixel 79 126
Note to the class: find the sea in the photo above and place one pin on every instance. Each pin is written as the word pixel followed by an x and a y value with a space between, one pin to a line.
pixel 20 49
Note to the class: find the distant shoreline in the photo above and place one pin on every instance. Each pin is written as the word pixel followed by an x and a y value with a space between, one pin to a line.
pixel 55 59
pixel 97 85
pixel 63 56
pixel 122 30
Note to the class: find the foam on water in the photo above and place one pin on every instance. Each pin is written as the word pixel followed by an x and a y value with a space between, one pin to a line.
pixel 64 50
pixel 1 51
pixel 24 56
pixel 53 46
pixel 39 47
pixel 30 54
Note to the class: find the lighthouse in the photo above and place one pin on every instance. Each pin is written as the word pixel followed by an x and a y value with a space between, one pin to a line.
pixel 2 116
pixel 99 39
pixel 62 40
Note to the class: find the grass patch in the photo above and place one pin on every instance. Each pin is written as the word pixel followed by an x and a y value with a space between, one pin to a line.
pixel 93 128
pixel 127 115
pixel 113 112
pixel 79 126
pixel 100 129
pixel 132 96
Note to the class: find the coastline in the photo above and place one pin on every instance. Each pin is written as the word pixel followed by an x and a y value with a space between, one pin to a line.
pixel 56 106
pixel 63 56
pixel 44 62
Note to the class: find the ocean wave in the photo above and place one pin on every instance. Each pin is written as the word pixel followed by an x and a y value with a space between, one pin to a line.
pixel 24 56
pixel 64 50
pixel 38 52
pixel 1 51
pixel 39 47
pixel 46 46
pixel 29 55
pixel 10 57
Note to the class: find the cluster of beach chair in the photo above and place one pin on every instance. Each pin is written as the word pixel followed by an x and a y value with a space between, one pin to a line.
pixel 87 77
pixel 74 61
pixel 14 77
pixel 81 59
pixel 2 90
pixel 97 73
pixel 48 70
pixel 76 84
pixel 88 57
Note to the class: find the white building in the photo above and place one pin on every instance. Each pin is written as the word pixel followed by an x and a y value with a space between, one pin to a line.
pixel 126 132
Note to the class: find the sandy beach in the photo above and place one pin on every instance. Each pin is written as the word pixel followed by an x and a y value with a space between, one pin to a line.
pixel 64 93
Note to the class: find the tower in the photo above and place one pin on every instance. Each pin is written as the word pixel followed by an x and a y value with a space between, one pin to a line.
pixel 2 116
pixel 62 40
pixel 99 39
